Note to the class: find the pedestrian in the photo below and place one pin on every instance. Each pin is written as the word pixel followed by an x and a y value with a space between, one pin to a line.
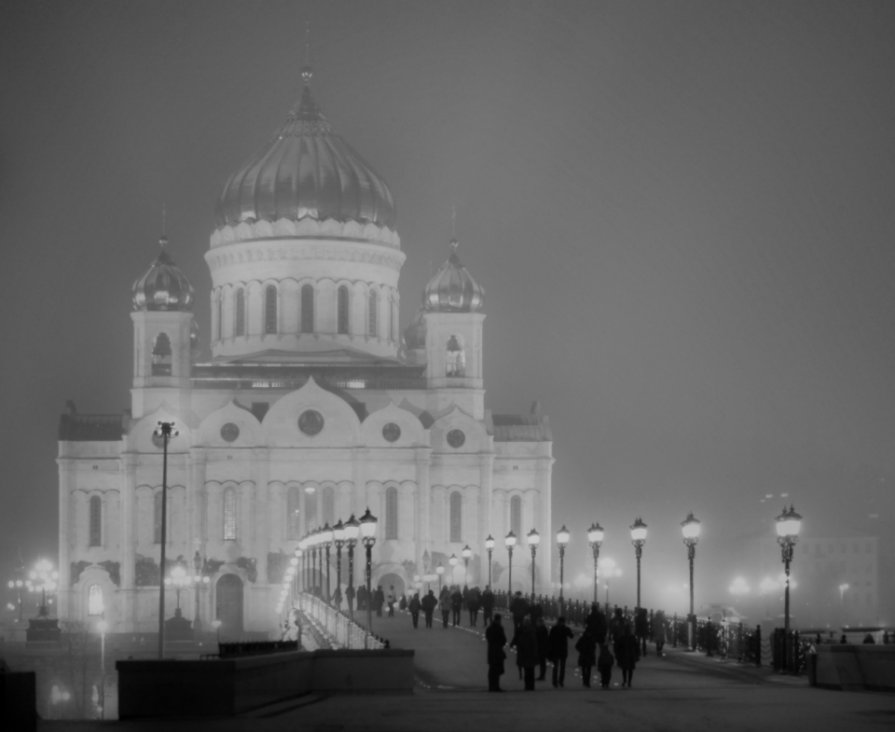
pixel 496 640
pixel 604 665
pixel 429 602
pixel 487 605
pixel 543 646
pixel 595 622
pixel 456 606
pixel 444 603
pixel 616 625
pixel 587 655
pixel 378 600
pixel 473 602
pixel 525 641
pixel 659 631
pixel 627 653
pixel 558 649
pixel 349 598
pixel 414 607
pixel 519 609
pixel 337 599
pixel 391 601
pixel 641 628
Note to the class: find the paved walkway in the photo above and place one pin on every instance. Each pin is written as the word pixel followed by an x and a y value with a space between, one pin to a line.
pixel 680 692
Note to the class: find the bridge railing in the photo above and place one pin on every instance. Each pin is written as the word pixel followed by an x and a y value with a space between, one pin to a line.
pixel 339 629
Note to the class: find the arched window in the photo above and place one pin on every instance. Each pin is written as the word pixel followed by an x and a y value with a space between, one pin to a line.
pixel 307 309
pixel 455 359
pixel 95 603
pixel 240 312
pixel 373 320
pixel 516 516
pixel 456 516
pixel 343 309
pixel 161 355
pixel 96 522
pixel 311 513
pixel 293 508
pixel 157 517
pixel 229 514
pixel 329 505
pixel 391 512
pixel 270 309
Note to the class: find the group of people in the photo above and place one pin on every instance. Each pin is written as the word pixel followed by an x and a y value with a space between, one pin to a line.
pixel 451 601
pixel 535 645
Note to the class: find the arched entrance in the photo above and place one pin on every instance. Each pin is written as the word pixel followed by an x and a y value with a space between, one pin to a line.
pixel 389 580
pixel 228 607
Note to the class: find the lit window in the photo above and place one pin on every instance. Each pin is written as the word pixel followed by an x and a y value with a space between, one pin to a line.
pixel 229 514
pixel 391 513
pixel 161 356
pixel 270 309
pixel 96 521
pixel 343 309
pixel 456 516
pixel 95 603
pixel 240 313
pixel 307 309
pixel 373 306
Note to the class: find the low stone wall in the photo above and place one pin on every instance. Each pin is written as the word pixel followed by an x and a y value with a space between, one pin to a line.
pixel 856 667
pixel 228 686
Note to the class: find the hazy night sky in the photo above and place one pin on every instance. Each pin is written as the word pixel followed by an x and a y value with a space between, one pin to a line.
pixel 682 213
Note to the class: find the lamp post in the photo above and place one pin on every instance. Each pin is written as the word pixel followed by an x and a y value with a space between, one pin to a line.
pixel 352 531
pixel 326 539
pixel 466 553
pixel 166 431
pixel 200 579
pixel 453 562
pixel 489 545
pixel 368 536
pixel 595 539
pixel 638 539
pixel 789 523
pixel 510 541
pixel 43 578
pixel 562 538
pixel 102 626
pixel 690 529
pixel 439 570
pixel 533 539
pixel 339 541
pixel 178 579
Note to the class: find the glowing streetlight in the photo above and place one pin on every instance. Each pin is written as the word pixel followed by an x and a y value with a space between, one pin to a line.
pixel 595 536
pixel 638 539
pixel 352 532
pixel 368 537
pixel 489 545
pixel 510 541
pixel 562 538
pixel 102 626
pixel 533 539
pixel 788 525
pixel 439 570
pixel 690 529
pixel 166 431
pixel 466 553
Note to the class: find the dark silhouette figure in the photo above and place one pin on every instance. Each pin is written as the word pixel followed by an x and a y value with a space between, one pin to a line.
pixel 627 653
pixel 378 600
pixel 542 635
pixel 456 606
pixel 595 622
pixel 391 601
pixel 641 628
pixel 659 631
pixel 487 604
pixel 604 666
pixel 444 602
pixel 519 609
pixel 496 639
pixel 587 655
pixel 558 649
pixel 525 641
pixel 429 602
pixel 349 598
pixel 473 603
pixel 414 606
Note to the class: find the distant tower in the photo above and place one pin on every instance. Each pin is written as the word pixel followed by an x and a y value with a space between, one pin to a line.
pixel 164 335
pixel 452 317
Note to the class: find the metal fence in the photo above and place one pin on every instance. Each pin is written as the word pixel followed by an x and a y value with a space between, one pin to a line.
pixel 338 629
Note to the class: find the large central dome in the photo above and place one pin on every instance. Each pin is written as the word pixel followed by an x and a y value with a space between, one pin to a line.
pixel 306 171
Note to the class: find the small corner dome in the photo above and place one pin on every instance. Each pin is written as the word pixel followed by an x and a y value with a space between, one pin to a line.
pixel 452 289
pixel 163 287
pixel 306 171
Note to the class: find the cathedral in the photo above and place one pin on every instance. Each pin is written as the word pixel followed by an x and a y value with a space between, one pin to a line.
pixel 313 407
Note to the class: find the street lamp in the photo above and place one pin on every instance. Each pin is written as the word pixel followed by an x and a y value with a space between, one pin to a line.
pixel 178 579
pixel 489 545
pixel 439 570
pixel 510 541
pixel 466 553
pixel 166 431
pixel 326 539
pixel 789 524
pixel 690 529
pixel 533 539
pixel 595 536
pixel 638 539
pixel 352 531
pixel 102 626
pixel 339 540
pixel 368 536
pixel 200 579
pixel 43 578
pixel 562 538
pixel 453 562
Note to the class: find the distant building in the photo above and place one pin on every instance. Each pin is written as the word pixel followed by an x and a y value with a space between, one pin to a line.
pixel 312 408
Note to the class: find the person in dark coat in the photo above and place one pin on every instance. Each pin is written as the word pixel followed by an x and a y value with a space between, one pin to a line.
pixel 473 602
pixel 349 598
pixel 429 602
pixel 487 605
pixel 587 655
pixel 542 636
pixel 414 606
pixel 525 641
pixel 641 628
pixel 595 622
pixel 496 639
pixel 519 609
pixel 659 631
pixel 627 653
pixel 616 625
pixel 456 606
pixel 444 602
pixel 558 649
pixel 604 666
pixel 378 600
